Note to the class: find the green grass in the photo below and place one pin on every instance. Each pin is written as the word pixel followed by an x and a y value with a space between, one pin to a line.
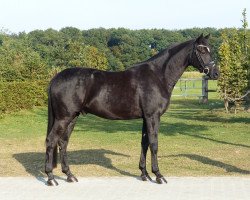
pixel 192 74
pixel 194 140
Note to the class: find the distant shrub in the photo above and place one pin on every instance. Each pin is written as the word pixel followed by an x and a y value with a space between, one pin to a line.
pixel 195 74
pixel 15 96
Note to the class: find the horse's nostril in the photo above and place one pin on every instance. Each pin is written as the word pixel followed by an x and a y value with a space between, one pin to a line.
pixel 216 75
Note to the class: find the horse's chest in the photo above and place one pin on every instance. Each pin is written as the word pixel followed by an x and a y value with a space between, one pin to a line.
pixel 155 100
pixel 162 105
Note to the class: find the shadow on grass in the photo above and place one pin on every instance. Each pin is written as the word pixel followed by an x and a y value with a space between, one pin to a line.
pixel 208 117
pixel 170 129
pixel 96 124
pixel 33 162
pixel 195 104
pixel 191 110
pixel 209 161
pixel 218 141
pixel 190 130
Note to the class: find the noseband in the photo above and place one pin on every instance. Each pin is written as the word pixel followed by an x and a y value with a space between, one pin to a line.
pixel 204 66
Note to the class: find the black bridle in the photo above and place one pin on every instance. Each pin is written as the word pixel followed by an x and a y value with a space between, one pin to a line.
pixel 204 67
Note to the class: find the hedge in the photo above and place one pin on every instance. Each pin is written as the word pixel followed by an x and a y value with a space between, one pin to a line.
pixel 15 96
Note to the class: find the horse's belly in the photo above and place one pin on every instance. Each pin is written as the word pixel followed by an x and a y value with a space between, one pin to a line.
pixel 114 113
pixel 114 110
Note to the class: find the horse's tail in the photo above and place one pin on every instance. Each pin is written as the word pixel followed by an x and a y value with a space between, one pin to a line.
pixel 51 119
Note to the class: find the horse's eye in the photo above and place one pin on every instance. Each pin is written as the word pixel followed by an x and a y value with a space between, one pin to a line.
pixel 202 50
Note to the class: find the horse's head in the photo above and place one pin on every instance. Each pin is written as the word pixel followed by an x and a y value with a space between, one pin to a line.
pixel 201 58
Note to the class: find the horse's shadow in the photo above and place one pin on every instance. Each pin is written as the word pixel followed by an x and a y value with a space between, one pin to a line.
pixel 34 162
pixel 208 161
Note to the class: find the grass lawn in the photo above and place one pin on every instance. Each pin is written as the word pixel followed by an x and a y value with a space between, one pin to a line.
pixel 194 140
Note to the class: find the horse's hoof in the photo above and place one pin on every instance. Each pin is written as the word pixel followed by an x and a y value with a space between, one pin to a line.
pixel 52 182
pixel 161 180
pixel 146 177
pixel 72 179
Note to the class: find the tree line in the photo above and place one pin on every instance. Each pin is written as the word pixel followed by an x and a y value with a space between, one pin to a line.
pixel 35 54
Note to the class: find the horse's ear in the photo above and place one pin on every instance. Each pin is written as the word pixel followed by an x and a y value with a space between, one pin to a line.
pixel 207 36
pixel 199 39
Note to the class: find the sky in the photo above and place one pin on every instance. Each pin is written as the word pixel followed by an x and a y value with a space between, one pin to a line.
pixel 27 15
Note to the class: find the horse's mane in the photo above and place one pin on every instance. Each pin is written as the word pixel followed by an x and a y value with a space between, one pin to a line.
pixel 172 48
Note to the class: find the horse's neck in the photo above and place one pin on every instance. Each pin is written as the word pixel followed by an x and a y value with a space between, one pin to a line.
pixel 175 67
pixel 171 63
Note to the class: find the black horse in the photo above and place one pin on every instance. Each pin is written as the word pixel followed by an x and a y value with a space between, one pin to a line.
pixel 142 91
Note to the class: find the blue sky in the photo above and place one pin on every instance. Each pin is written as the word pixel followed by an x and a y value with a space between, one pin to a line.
pixel 27 15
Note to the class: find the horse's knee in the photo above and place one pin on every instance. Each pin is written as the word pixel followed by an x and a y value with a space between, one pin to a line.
pixel 154 148
pixel 62 142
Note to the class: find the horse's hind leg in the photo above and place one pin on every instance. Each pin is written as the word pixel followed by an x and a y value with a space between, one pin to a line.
pixel 58 129
pixel 63 143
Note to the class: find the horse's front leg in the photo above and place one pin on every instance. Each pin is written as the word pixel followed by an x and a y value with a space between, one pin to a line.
pixel 144 149
pixel 153 123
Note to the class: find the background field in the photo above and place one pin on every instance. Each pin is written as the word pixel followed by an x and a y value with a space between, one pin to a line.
pixel 194 140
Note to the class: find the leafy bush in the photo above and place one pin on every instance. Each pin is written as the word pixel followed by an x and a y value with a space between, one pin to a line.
pixel 22 95
pixel 19 62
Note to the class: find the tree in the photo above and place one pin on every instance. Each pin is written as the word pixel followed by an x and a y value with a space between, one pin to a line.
pixel 71 33
pixel 233 79
pixel 94 59
pixel 19 62
pixel 77 54
pixel 49 44
pixel 245 45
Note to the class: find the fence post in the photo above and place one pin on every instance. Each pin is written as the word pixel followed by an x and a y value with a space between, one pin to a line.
pixel 204 89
